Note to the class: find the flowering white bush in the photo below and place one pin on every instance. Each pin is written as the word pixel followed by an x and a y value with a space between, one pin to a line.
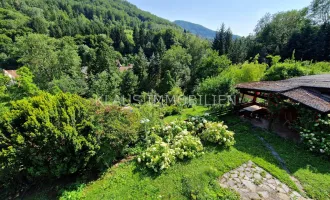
pixel 317 137
pixel 182 140
pixel 158 156
pixel 167 132
pixel 196 124
pixel 187 146
pixel 217 133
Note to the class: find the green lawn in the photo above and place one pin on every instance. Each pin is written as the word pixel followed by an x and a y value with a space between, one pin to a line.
pixel 197 178
pixel 313 172
pixel 194 111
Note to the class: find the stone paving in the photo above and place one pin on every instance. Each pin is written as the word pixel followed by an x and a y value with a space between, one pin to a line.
pixel 252 182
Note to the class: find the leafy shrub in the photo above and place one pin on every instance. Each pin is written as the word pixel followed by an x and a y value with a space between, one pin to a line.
pixel 246 72
pixel 169 131
pixel 175 92
pixel 283 71
pixel 315 134
pixel 183 139
pixel 149 111
pixel 158 156
pixel 187 146
pixel 46 136
pixel 216 86
pixel 116 128
pixel 217 133
pixel 171 110
pixel 319 67
pixel 196 125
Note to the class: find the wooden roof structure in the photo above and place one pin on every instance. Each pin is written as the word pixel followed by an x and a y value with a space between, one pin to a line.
pixel 312 91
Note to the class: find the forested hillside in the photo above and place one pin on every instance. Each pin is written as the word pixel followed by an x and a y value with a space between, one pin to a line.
pixel 198 29
pixel 77 46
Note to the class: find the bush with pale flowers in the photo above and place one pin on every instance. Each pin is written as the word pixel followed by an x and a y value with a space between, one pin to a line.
pixel 181 140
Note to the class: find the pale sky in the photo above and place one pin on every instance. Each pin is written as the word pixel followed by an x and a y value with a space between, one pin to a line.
pixel 240 15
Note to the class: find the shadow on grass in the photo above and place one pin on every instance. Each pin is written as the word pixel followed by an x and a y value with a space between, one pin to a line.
pixel 55 188
pixel 52 189
pixel 295 155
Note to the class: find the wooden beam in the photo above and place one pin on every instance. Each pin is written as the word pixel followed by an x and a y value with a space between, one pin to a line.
pixel 254 95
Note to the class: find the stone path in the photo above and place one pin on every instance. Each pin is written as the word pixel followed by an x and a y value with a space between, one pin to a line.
pixel 252 182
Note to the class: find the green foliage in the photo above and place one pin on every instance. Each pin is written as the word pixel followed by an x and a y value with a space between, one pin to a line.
pixel 218 85
pixel 48 58
pixel 238 50
pixel 151 112
pixel 46 136
pixel 140 69
pixel 73 85
pixel 177 61
pixel 116 128
pixel 319 68
pixel 314 130
pixel 212 65
pixel 274 59
pixel 217 133
pixel 223 40
pixel 167 83
pixel 275 30
pixel 171 110
pixel 106 84
pixel 129 84
pixel 247 72
pixel 320 10
pixel 282 71
pixel 19 88
pixel 4 81
pixel 73 195
pixel 13 22
pixel 23 86
pixel 72 18
pixel 158 156
pixel 195 190
pixel 187 146
pixel 105 58
pixel 182 140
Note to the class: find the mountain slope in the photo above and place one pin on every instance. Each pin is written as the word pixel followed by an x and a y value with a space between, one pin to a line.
pixel 60 18
pixel 198 29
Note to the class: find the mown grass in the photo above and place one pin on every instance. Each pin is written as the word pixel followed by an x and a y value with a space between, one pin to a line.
pixel 194 111
pixel 311 170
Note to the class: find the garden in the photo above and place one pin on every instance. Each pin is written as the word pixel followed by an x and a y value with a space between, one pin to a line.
pixel 146 156
pixel 63 146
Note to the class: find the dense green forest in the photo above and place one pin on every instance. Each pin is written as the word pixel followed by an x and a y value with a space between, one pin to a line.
pixel 59 40
pixel 67 52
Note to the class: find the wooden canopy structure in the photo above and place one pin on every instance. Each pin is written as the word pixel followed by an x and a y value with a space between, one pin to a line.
pixel 311 91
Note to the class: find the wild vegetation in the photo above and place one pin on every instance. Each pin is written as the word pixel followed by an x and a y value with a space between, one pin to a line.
pixel 61 116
